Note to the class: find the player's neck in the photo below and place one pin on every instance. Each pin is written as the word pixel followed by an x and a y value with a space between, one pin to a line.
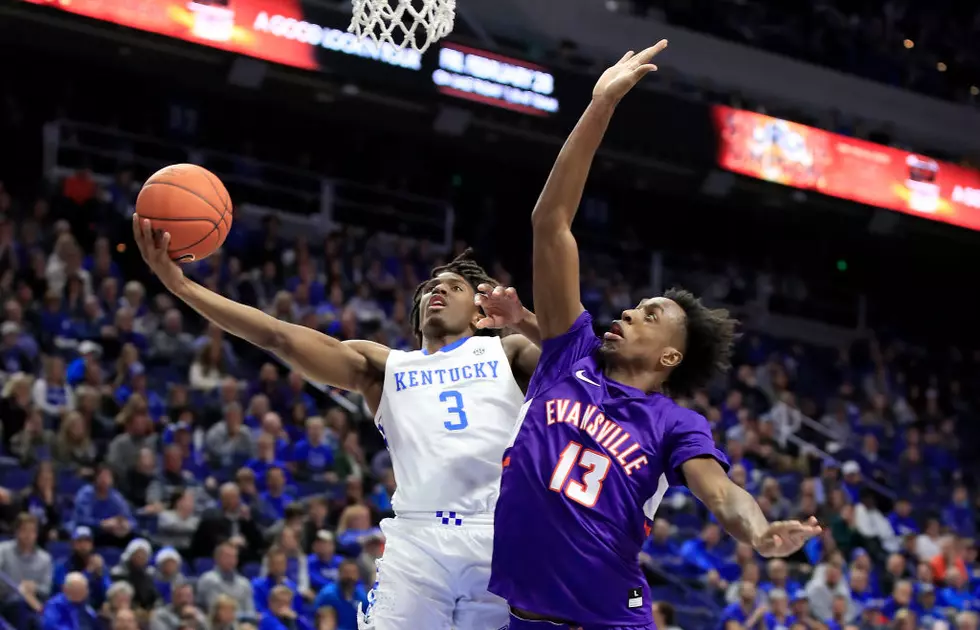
pixel 434 344
pixel 643 380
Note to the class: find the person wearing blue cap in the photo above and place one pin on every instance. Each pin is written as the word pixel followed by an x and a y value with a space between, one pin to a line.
pixel 85 561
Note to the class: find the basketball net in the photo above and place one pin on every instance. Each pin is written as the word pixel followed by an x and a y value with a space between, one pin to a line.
pixel 403 23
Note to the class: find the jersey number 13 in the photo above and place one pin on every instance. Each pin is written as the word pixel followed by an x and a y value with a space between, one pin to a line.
pixel 596 467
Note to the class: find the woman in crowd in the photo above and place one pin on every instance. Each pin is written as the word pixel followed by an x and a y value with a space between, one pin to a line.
pixel 73 447
pixel 208 369
pixel 39 499
pixel 33 442
pixel 177 524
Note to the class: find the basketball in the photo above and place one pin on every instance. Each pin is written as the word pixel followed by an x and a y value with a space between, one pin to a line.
pixel 192 204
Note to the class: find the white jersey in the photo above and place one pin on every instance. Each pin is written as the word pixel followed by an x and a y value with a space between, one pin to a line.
pixel 447 418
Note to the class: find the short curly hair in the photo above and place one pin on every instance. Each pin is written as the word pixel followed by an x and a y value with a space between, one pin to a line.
pixel 467 268
pixel 710 337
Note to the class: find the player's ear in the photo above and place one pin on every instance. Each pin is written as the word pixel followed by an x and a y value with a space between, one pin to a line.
pixel 671 357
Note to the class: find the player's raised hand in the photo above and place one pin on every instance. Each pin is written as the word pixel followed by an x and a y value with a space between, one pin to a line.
pixel 501 306
pixel 620 79
pixel 785 537
pixel 153 247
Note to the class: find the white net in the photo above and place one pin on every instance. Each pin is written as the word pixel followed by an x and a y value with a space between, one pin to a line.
pixel 403 23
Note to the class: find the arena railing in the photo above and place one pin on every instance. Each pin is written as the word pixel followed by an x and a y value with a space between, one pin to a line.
pixel 303 199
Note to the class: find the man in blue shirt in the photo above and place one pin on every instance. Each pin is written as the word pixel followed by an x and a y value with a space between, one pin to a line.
pixel 778 617
pixel 68 610
pixel 280 614
pixel 313 456
pixel 276 564
pixel 745 613
pixel 103 509
pixel 274 500
pixel 324 562
pixel 83 560
pixel 344 596
pixel 901 518
pixel 660 551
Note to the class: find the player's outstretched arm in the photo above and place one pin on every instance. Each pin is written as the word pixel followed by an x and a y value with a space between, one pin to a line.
pixel 557 299
pixel 353 366
pixel 740 515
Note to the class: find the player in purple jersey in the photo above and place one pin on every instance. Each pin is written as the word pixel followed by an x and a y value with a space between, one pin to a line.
pixel 600 438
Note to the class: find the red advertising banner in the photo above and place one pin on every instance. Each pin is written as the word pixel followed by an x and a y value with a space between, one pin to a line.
pixel 278 31
pixel 812 159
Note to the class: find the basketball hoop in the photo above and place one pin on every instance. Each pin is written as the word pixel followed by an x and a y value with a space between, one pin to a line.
pixel 403 23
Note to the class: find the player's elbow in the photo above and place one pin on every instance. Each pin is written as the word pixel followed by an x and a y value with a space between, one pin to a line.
pixel 547 219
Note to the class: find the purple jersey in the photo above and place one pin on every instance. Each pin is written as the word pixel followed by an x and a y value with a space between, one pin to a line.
pixel 590 462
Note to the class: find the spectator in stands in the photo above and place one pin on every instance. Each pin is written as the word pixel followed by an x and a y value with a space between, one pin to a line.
pixel 928 544
pixel 52 394
pixel 324 563
pixel 966 621
pixel 956 592
pixel 33 442
pixel 28 566
pixel 171 345
pixel 317 515
pixel 371 550
pixel 178 611
pixel 929 612
pixel 663 616
pixel 208 370
pixel 777 576
pixel 901 518
pixel 313 457
pixel 134 568
pixel 228 442
pixel 274 565
pixel 297 563
pixel 274 500
pixel 73 448
pixel 280 614
pixel 872 525
pixel 778 615
pixel 102 508
pixel 39 499
pixel 750 575
pixel 950 557
pixel 126 619
pixel 959 513
pixel 69 610
pixel 223 613
pixel 247 487
pixel 230 522
pixel 137 481
pixel 224 579
pixel 124 450
pixel 344 596
pixel 744 613
pixel 265 458
pixel 895 571
pixel 824 587
pixel 851 470
pixel 84 561
pixel 176 525
pixel 901 597
pixel 15 405
pixel 704 555
pixel 167 572
pixel 13 358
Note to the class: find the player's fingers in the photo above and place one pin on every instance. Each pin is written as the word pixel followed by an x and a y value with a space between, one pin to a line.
pixel 649 53
pixel 644 70
pixel 483 287
pixel 627 56
pixel 484 322
pixel 478 299
pixel 498 291
pixel 510 293
pixel 165 242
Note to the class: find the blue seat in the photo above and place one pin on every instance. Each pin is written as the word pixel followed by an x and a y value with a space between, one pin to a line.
pixel 147 523
pixel 59 550
pixel 16 479
pixel 110 555
pixel 251 570
pixel 202 565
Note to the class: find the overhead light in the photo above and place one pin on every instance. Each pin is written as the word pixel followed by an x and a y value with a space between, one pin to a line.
pixel 908 43
pixel 974 90
pixel 941 66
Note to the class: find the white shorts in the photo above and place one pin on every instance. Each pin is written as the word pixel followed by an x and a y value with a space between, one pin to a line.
pixel 434 575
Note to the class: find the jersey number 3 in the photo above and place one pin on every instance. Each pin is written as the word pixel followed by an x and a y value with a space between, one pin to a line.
pixel 596 467
pixel 456 408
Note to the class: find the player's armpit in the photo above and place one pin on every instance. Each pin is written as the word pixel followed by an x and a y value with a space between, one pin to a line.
pixel 735 509
pixel 523 355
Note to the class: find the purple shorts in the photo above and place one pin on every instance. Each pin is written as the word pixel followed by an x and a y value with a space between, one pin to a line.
pixel 516 623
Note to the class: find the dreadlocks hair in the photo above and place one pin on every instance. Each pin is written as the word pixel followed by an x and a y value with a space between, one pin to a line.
pixel 710 337
pixel 463 266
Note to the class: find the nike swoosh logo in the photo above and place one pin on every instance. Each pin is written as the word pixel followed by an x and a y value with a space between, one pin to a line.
pixel 580 375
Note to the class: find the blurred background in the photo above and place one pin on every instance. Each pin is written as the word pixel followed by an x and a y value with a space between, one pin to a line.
pixel 811 167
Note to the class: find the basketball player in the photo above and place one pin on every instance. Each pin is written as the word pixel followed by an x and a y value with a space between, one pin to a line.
pixel 447 412
pixel 600 438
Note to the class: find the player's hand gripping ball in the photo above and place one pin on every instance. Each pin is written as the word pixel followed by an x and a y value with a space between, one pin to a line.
pixel 192 205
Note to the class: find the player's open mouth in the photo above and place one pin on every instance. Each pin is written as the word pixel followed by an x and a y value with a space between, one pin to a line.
pixel 615 332
pixel 437 303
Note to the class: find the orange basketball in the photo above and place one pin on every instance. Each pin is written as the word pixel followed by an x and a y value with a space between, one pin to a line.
pixel 192 204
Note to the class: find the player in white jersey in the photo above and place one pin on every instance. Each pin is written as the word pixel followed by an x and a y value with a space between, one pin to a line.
pixel 446 412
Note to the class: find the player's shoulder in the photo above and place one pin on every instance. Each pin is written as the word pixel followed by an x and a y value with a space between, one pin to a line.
pixel 677 415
